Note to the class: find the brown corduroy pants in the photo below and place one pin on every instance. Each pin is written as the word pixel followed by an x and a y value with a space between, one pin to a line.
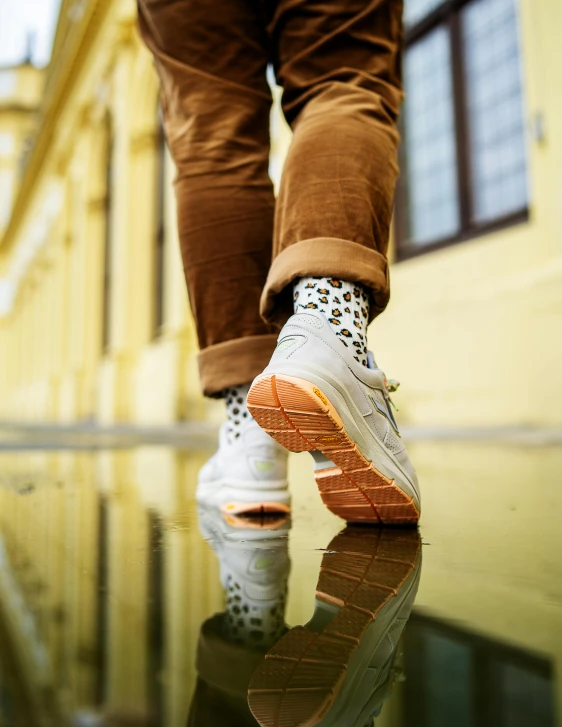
pixel 338 62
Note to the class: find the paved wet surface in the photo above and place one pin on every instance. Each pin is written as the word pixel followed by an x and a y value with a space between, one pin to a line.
pixel 121 604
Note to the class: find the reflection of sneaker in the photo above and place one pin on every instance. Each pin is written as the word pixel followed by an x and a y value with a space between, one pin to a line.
pixel 314 396
pixel 337 670
pixel 254 570
pixel 246 475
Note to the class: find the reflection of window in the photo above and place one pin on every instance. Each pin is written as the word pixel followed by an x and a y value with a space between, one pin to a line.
pixel 160 236
pixel 155 617
pixel 103 585
pixel 463 152
pixel 457 678
pixel 107 257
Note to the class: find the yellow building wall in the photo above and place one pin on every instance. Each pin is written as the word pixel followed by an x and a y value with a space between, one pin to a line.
pixel 22 87
pixel 473 331
pixel 53 364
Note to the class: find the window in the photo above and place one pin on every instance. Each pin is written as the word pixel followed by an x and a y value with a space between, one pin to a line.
pixel 463 154
pixel 456 677
pixel 102 604
pixel 107 266
pixel 160 231
pixel 155 617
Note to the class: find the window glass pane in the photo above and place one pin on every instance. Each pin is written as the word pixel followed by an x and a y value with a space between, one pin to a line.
pixel 430 164
pixel 526 697
pixel 495 108
pixel 451 662
pixel 416 10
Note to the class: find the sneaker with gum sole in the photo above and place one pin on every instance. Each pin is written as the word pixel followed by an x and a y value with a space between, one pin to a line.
pixel 339 669
pixel 314 396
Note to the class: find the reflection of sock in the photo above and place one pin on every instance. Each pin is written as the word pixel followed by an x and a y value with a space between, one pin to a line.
pixel 252 625
pixel 236 408
pixel 345 305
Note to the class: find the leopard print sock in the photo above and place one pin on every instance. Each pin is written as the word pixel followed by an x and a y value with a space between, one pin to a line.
pixel 249 624
pixel 345 305
pixel 236 408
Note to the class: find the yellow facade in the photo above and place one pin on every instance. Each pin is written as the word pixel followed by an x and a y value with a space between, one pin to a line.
pixel 58 365
pixel 473 331
pixel 20 92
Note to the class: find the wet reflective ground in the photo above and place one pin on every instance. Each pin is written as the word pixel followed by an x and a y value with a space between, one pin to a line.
pixel 121 604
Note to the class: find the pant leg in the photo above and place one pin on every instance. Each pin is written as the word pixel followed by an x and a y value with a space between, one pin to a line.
pixel 339 65
pixel 211 57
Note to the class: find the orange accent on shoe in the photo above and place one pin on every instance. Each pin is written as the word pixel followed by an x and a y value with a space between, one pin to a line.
pixel 261 507
pixel 302 419
pixel 257 521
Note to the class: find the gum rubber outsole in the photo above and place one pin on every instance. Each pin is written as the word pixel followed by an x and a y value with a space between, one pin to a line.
pixel 300 677
pixel 301 418
pixel 252 521
pixel 263 507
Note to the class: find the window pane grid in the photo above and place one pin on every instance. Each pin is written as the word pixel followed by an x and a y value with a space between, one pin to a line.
pixel 464 145
pixel 416 10
pixel 430 145
pixel 494 106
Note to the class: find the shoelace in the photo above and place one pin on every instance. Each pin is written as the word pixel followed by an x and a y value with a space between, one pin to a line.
pixel 391 385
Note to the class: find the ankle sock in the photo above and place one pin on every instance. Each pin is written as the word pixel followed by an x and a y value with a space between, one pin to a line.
pixel 237 408
pixel 345 305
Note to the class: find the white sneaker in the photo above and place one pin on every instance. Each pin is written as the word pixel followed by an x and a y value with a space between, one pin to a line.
pixel 247 474
pixel 254 570
pixel 315 397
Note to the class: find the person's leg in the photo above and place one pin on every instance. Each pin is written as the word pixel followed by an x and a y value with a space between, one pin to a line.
pixel 339 65
pixel 212 58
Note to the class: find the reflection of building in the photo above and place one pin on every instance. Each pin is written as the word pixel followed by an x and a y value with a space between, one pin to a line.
pixel 97 592
pixel 487 683
pixel 93 315
pixel 105 582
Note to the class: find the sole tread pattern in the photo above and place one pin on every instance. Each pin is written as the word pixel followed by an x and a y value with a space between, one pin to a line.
pixel 300 677
pixel 301 418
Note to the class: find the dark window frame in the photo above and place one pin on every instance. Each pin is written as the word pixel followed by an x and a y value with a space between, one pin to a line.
pixel 155 622
pixel 107 288
pixel 159 269
pixel 102 615
pixel 485 655
pixel 448 14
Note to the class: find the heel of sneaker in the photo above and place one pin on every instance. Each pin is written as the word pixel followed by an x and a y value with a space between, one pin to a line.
pixel 292 411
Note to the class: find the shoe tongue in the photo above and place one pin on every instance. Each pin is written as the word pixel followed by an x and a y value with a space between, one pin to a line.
pixel 371 363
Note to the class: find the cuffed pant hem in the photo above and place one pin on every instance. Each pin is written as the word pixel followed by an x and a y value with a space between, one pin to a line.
pixel 234 362
pixel 324 256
